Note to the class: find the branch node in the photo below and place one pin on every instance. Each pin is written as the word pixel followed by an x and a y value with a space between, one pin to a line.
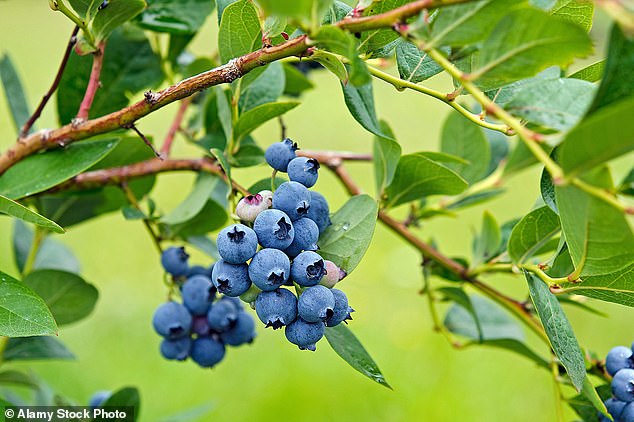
pixel 231 71
pixel 77 121
pixel 151 97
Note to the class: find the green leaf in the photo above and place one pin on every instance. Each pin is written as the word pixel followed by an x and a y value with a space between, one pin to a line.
pixel 12 377
pixel 182 17
pixel 267 87
pixel 340 42
pixel 386 153
pixel 558 329
pixel 413 64
pixel 67 295
pixel 487 243
pixel 345 241
pixel 533 231
pixel 626 187
pixel 592 73
pixel 131 213
pixel 85 8
pixel 558 103
pixel 14 92
pixel 35 348
pixel 598 235
pixel 360 102
pixel 333 63
pixel 252 119
pixel 248 155
pixel 210 217
pixel 195 201
pixel 114 15
pixel 593 397
pixel 616 287
pixel 22 312
pixel 51 253
pixel 125 397
pixel 475 199
pixel 205 245
pixel 579 12
pixel 585 408
pixel 377 39
pixel 296 81
pixel 239 31
pixel 462 138
pixel 301 9
pixel 191 414
pixel 417 176
pixel 265 184
pixel 350 349
pixel 17 210
pixel 225 116
pixel 525 42
pixel 521 157
pixel 52 167
pixel 457 295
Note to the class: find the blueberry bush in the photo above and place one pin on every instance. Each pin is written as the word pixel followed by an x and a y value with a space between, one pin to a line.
pixel 522 94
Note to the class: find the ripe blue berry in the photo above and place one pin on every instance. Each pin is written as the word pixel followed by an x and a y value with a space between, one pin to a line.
pixel 200 326
pixel 274 229
pixel 319 211
pixel 623 385
pixel 618 357
pixel 316 304
pixel 276 308
pixel 251 206
pixel 341 311
pixel 303 170
pixel 305 334
pixel 99 398
pixel 198 292
pixel 234 301
pixel 293 198
pixel 334 275
pixel 306 236
pixel 243 331
pixel 237 244
pixel 615 407
pixel 222 316
pixel 174 261
pixel 172 320
pixel 176 349
pixel 269 269
pixel 278 155
pixel 230 279
pixel 206 351
pixel 308 268
pixel 199 270
pixel 627 413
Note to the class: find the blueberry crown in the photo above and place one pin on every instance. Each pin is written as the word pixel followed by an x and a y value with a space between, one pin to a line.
pixel 316 270
pixel 292 145
pixel 311 165
pixel 236 235
pixel 276 278
pixel 281 232
pixel 302 208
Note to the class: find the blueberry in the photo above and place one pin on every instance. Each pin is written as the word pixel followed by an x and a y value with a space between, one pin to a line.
pixel 172 320
pixel 334 274
pixel 319 211
pixel 276 308
pixel 230 279
pixel 278 155
pixel 222 316
pixel 174 261
pixel 308 268
pixel 176 349
pixel 206 351
pixel 623 385
pixel 306 236
pixel 99 398
pixel 274 229
pixel 237 244
pixel 200 326
pixel 627 413
pixel 269 269
pixel 316 304
pixel 243 331
pixel 303 170
pixel 615 408
pixel 251 206
pixel 198 292
pixel 305 334
pixel 619 357
pixel 199 270
pixel 234 301
pixel 293 198
pixel 341 311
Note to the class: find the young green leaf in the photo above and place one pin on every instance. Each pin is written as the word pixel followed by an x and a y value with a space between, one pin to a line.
pixel 114 15
pixel 36 348
pixel 182 17
pixel 14 92
pixel 350 349
pixel 533 231
pixel 374 40
pixel 348 237
pixel 579 12
pixel 125 397
pixel 12 377
pixel 558 329
pixel 51 253
pixel 413 64
pixel 333 63
pixel 592 73
pixel 67 295
pixel 487 243
pixel 252 119
pixel 267 87
pixel 386 153
pixel 239 31
pixel 194 202
pixel 457 295
pixel 17 210
pixel 296 81
pixel 360 102
pixel 587 409
pixel 22 312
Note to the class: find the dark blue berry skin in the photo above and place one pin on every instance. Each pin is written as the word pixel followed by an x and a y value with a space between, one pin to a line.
pixel 615 407
pixel 176 349
pixel 305 334
pixel 200 326
pixel 315 304
pixel 627 413
pixel 319 211
pixel 623 385
pixel 293 198
pixel 341 311
pixel 306 236
pixel 274 229
pixel 207 351
pixel 269 269
pixel 237 243
pixel 303 170
pixel 222 316
pixel 198 292
pixel 277 308
pixel 99 398
pixel 279 154
pixel 308 268
pixel 618 357
pixel 172 320
pixel 243 331
pixel 234 301
pixel 199 270
pixel 230 279
pixel 174 261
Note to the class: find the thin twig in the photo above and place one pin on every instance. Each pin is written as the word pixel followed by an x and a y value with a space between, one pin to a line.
pixel 145 140
pixel 156 239
pixel 280 120
pixel 174 128
pixel 93 83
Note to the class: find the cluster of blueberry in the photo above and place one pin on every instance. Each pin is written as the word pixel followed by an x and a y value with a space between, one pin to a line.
pixel 620 364
pixel 201 326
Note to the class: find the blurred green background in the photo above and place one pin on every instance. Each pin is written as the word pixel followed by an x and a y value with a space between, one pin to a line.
pixel 271 379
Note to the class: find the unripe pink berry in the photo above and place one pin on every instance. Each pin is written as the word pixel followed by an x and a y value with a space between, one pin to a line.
pixel 334 274
pixel 250 206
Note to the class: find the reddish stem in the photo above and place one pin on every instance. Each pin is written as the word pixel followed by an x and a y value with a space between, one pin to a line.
pixel 93 83
pixel 176 124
